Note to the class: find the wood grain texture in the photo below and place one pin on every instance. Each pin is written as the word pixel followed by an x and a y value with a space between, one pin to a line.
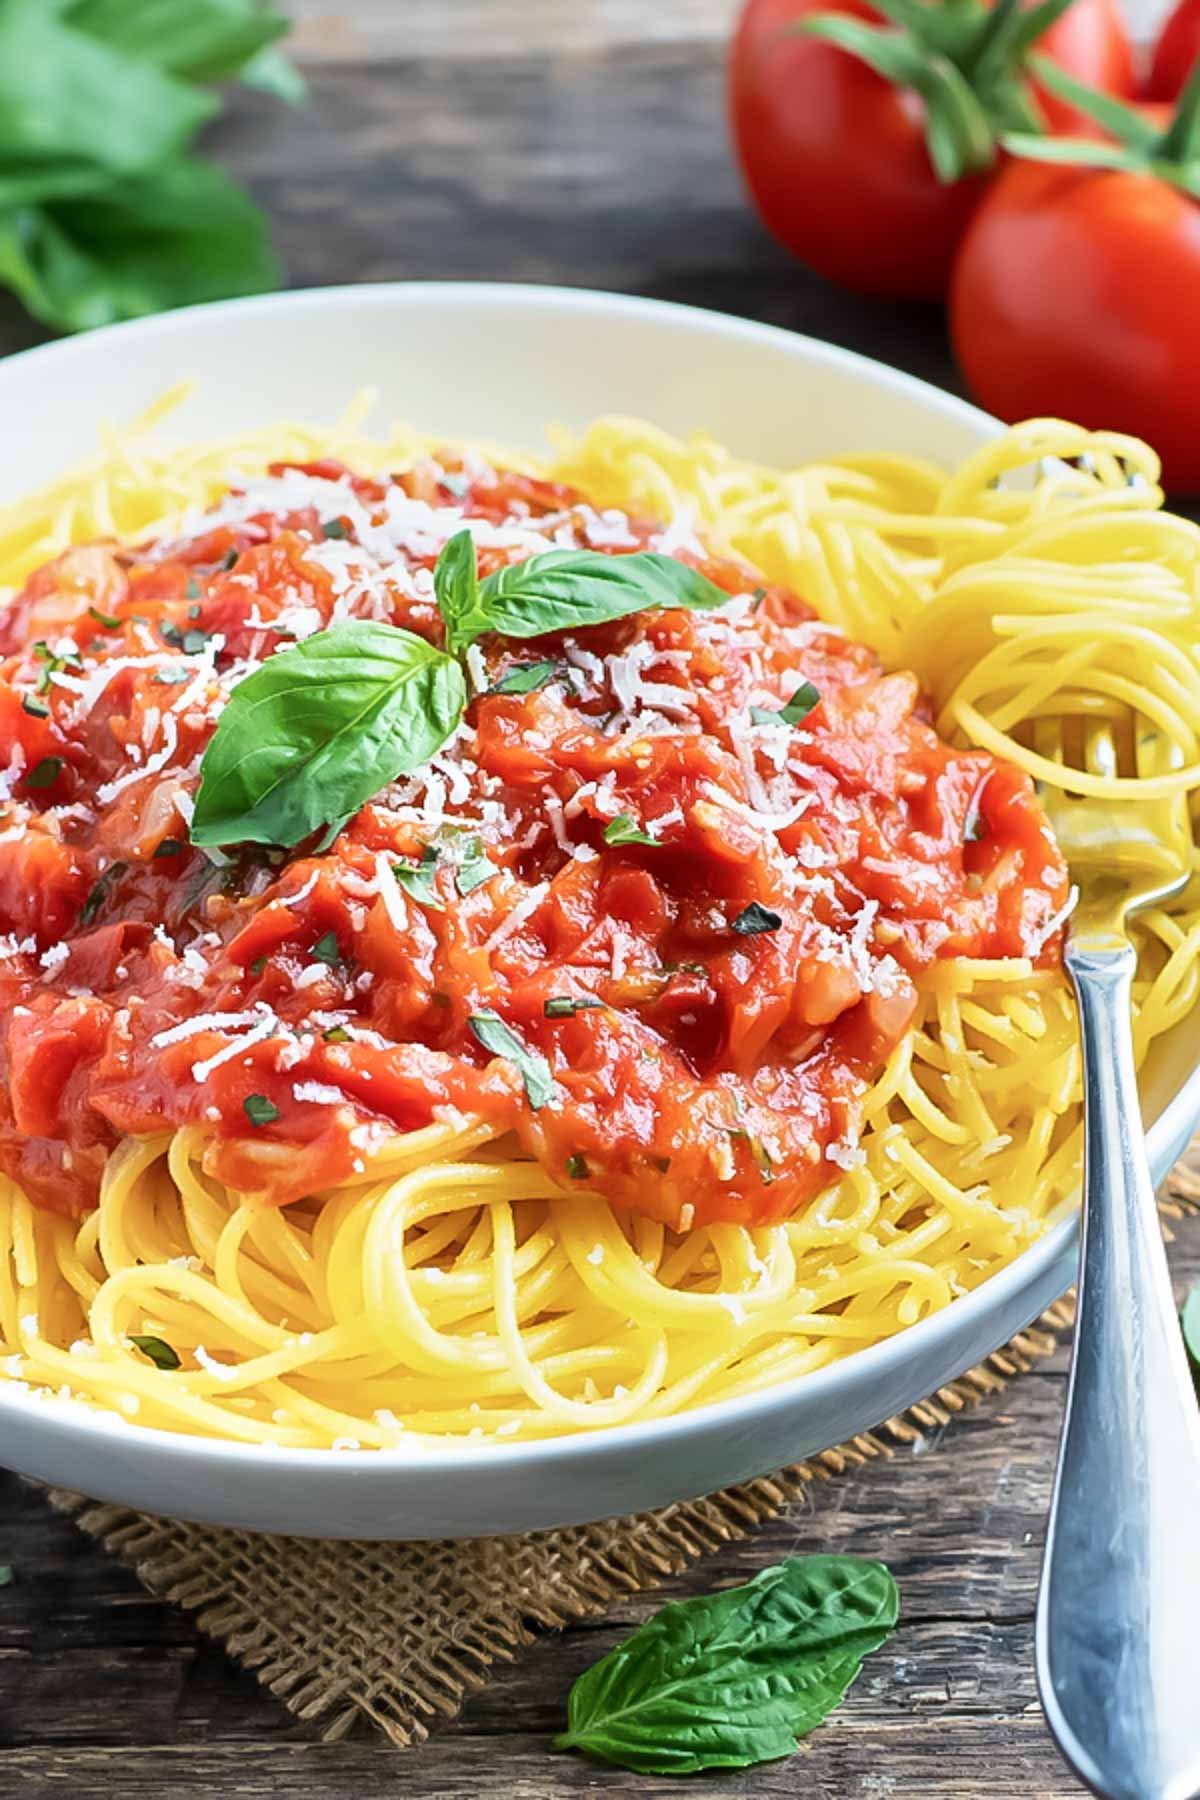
pixel 578 142
pixel 609 170
pixel 152 1710
pixel 499 28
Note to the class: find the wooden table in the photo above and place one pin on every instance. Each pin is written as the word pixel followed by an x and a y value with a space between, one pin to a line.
pixel 577 141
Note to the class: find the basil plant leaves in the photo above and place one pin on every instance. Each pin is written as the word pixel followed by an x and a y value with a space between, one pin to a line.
pixel 321 727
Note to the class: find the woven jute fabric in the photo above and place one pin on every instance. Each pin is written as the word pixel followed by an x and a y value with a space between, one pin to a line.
pixel 401 1634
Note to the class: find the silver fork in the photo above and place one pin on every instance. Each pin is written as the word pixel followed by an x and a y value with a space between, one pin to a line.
pixel 1120 1593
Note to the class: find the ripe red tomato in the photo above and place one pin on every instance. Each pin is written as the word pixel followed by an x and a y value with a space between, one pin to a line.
pixel 835 156
pixel 1176 54
pixel 1074 294
pixel 1090 42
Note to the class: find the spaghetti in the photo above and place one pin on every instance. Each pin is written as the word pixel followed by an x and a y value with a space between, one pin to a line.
pixel 455 1280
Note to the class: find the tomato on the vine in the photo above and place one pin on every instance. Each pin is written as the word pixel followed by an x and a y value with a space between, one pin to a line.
pixel 1091 43
pixel 1075 291
pixel 1176 54
pixel 865 152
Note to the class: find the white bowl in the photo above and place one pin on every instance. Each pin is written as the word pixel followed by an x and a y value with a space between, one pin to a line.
pixel 499 363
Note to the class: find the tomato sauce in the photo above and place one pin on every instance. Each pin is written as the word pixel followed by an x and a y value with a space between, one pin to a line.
pixel 712 1006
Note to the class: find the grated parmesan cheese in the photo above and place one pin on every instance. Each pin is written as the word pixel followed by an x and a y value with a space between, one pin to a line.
pixel 319 1093
pixel 1037 939
pixel 152 766
pixel 513 921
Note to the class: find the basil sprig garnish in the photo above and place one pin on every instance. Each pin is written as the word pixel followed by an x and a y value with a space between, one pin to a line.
pixel 727 1680
pixel 474 865
pixel 798 707
pixel 45 773
pixel 526 679
pixel 324 725
pixel 501 1040
pixel 419 879
pixel 320 728
pixel 756 918
pixel 161 1354
pixel 624 829
pixel 560 590
pixel 101 890
pixel 259 1110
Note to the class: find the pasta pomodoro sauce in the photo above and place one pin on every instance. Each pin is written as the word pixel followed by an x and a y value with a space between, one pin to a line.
pixel 711 1005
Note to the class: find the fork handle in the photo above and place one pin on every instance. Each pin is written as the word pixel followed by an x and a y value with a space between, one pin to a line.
pixel 1120 1590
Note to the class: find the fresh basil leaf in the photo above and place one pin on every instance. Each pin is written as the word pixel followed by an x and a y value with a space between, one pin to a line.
pixel 335 528
pixel 565 1006
pixel 52 663
pixel 169 846
pixel 259 1110
pixel 577 1167
pixel 106 621
pixel 326 951
pixel 6 1575
pixel 727 1680
pixel 526 679
pixel 474 866
pixel 798 707
pixel 337 1034
pixel 37 709
pixel 174 235
pixel 161 1354
pixel 532 1067
pixel 75 111
pixel 45 773
pixel 418 879
pixel 564 590
pixel 755 918
pixel 456 590
pixel 201 40
pixel 320 728
pixel 101 890
pixel 1190 1320
pixel 624 830
pixel 191 642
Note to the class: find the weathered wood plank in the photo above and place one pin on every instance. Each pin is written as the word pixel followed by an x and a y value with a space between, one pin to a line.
pixel 610 170
pixel 1000 1758
pixel 453 28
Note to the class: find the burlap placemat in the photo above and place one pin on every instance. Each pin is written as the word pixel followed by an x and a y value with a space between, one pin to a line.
pixel 400 1634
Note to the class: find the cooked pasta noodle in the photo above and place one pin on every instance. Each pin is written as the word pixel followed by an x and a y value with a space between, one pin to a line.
pixel 453 1290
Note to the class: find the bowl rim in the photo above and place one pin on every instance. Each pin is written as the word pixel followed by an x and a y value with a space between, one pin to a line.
pixel 102 1429
pixel 530 296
